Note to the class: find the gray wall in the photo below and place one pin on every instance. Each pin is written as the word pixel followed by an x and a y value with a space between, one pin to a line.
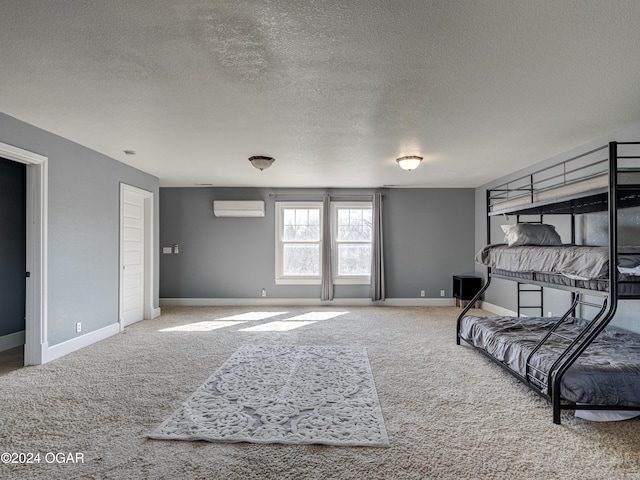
pixel 83 223
pixel 503 293
pixel 12 246
pixel 426 237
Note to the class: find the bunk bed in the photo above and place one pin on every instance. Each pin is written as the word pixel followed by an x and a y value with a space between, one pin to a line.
pixel 577 361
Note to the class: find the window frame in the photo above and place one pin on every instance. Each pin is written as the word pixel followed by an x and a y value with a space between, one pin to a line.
pixel 347 279
pixel 280 277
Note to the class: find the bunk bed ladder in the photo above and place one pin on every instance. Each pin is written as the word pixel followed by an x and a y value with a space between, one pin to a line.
pixel 538 378
pixel 526 292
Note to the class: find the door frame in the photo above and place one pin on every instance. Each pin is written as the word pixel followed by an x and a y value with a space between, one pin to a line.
pixel 35 347
pixel 149 310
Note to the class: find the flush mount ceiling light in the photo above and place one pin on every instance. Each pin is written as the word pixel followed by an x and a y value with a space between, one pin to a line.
pixel 410 162
pixel 261 162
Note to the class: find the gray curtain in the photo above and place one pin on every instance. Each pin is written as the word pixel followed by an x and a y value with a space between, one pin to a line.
pixel 377 251
pixel 326 291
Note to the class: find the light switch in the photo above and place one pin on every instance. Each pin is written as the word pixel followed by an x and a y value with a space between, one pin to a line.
pixel 166 250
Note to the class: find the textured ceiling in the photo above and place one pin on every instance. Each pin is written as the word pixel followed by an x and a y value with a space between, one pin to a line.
pixel 335 90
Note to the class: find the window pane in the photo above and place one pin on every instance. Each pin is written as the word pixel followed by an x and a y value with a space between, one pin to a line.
pixel 343 216
pixel 301 224
pixel 302 216
pixel 314 217
pixel 354 224
pixel 289 216
pixel 301 260
pixel 354 259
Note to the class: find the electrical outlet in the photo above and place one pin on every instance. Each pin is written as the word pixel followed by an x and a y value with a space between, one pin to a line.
pixel 442 293
pixel 422 293
pixel 167 250
pixel 549 314
pixel 78 327
pixel 264 292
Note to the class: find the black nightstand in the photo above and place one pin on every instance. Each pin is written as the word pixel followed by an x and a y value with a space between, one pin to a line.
pixel 465 287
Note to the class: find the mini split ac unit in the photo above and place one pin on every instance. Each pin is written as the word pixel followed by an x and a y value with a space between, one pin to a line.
pixel 238 208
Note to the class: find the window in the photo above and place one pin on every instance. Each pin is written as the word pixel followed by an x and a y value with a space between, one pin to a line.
pixel 298 242
pixel 352 232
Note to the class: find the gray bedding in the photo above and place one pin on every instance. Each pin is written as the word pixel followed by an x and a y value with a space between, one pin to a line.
pixel 573 261
pixel 607 373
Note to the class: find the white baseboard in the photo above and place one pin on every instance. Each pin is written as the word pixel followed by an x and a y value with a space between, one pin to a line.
pixel 69 346
pixel 498 310
pixel 64 348
pixel 276 302
pixel 13 340
pixel 418 302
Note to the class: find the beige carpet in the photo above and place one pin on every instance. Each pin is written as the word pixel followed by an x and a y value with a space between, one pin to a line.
pixel 449 413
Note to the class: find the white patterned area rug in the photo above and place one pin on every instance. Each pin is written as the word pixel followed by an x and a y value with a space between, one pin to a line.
pixel 284 394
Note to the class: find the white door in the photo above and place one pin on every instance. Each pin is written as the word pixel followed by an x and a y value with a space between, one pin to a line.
pixel 132 254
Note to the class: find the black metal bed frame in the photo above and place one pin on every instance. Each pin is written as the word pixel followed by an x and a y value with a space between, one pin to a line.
pixel 612 198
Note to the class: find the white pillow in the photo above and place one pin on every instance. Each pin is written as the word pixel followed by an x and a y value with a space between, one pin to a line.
pixel 531 234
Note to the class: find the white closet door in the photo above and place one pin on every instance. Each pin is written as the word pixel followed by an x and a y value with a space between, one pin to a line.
pixel 132 223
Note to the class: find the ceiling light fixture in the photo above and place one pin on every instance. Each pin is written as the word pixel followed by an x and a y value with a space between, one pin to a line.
pixel 261 162
pixel 410 162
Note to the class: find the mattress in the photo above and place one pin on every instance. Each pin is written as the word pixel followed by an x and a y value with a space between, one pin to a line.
pixel 573 187
pixel 572 261
pixel 607 373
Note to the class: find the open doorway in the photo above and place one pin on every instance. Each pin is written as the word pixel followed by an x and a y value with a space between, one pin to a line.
pixel 32 269
pixel 13 258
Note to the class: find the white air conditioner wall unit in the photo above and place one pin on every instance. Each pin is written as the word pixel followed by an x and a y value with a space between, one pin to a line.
pixel 238 208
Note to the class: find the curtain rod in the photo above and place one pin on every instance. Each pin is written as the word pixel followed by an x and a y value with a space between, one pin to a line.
pixel 302 195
